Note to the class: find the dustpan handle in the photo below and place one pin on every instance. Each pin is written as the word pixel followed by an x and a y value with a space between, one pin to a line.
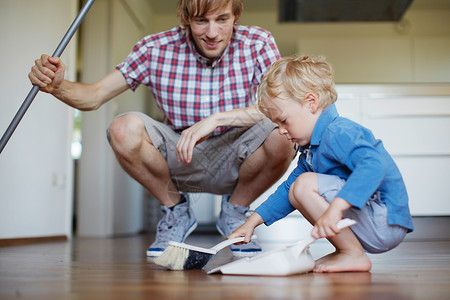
pixel 344 223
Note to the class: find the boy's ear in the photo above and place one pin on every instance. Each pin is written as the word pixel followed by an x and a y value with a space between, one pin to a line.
pixel 312 101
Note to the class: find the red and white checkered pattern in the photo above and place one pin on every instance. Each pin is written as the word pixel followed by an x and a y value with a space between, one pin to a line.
pixel 186 86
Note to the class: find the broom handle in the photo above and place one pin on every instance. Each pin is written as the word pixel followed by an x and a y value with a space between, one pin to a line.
pixel 35 89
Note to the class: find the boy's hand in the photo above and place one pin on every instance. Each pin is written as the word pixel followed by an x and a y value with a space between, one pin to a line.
pixel 246 230
pixel 326 225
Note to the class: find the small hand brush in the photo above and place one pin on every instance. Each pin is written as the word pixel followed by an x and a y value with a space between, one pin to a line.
pixel 180 256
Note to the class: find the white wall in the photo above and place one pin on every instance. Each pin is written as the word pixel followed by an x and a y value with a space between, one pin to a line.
pixel 417 23
pixel 110 201
pixel 35 166
pixel 36 170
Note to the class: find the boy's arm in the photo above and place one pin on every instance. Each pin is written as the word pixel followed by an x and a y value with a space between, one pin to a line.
pixel 326 224
pixel 246 229
pixel 367 172
pixel 277 206
pixel 366 164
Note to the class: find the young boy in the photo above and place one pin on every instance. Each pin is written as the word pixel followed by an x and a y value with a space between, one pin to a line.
pixel 342 172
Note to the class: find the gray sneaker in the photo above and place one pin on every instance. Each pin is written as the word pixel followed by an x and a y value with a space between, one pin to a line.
pixel 175 225
pixel 231 217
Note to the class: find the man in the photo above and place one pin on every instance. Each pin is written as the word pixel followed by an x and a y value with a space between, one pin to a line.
pixel 203 75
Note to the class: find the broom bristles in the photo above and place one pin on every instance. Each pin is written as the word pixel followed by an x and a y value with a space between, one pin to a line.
pixel 173 257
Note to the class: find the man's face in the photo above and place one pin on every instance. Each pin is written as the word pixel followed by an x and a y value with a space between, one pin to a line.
pixel 212 32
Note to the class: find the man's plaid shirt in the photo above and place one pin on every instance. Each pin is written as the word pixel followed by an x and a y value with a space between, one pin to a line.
pixel 186 86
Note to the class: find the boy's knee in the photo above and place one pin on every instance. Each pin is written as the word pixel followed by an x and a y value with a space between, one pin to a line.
pixel 304 185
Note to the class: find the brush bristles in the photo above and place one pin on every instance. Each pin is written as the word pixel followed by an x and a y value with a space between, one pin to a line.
pixel 179 258
pixel 173 258
pixel 196 260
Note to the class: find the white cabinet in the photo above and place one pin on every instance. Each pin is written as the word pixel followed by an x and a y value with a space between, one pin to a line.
pixel 413 121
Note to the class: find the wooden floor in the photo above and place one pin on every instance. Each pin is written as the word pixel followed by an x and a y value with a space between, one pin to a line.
pixel 118 269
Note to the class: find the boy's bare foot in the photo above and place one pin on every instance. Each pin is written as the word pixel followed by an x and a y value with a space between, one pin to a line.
pixel 343 262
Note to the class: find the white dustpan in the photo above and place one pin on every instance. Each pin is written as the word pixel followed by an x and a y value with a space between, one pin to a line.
pixel 289 260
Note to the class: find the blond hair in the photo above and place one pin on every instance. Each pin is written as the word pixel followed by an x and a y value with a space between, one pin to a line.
pixel 295 76
pixel 188 9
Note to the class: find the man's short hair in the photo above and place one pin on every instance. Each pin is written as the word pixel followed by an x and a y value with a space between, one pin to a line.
pixel 188 9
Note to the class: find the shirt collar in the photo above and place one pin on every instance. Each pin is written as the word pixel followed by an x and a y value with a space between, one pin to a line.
pixel 203 60
pixel 326 117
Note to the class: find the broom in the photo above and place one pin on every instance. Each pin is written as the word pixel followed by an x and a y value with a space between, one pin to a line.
pixel 181 256
pixel 35 89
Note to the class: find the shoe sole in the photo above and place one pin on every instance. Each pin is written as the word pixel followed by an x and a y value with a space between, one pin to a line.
pixel 245 253
pixel 155 253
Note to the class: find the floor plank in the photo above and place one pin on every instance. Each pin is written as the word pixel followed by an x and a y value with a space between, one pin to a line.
pixel 118 269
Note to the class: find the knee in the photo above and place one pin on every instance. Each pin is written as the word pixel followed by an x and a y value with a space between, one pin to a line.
pixel 304 185
pixel 125 133
pixel 279 150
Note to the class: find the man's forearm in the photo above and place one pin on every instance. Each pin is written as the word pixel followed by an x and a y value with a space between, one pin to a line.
pixel 77 95
pixel 91 96
pixel 241 117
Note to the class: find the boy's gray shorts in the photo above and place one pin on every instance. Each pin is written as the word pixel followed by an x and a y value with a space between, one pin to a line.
pixel 215 162
pixel 372 229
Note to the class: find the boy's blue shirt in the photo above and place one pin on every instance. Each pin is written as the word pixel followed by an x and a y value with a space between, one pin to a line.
pixel 346 149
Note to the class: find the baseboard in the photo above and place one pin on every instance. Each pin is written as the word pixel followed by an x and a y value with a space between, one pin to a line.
pixel 33 240
pixel 430 229
pixel 425 229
